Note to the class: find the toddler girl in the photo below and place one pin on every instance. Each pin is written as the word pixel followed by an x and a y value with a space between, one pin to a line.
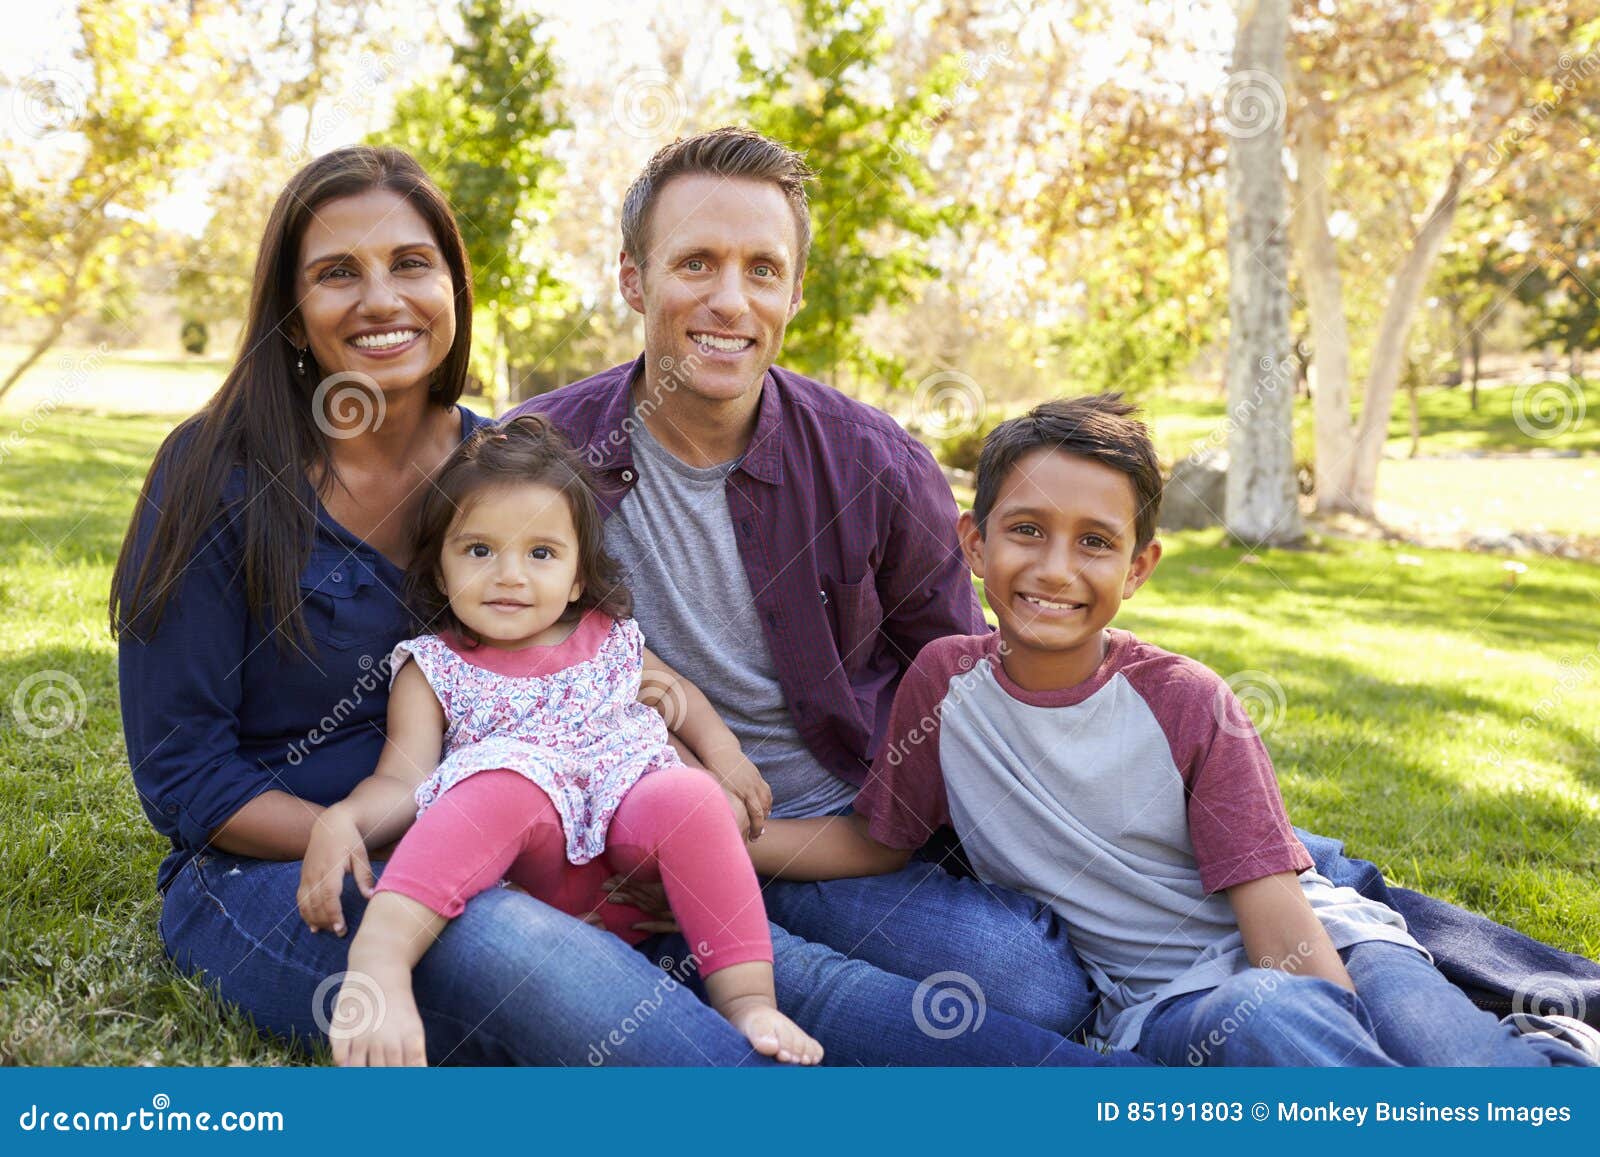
pixel 554 774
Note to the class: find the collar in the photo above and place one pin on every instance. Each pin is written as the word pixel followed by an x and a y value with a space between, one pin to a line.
pixel 611 443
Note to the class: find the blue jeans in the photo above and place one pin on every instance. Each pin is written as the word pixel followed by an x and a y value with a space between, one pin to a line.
pixel 922 921
pixel 1403 1012
pixel 513 981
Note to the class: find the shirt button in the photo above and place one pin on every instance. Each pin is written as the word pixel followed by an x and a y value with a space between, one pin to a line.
pixel 171 809
pixel 824 595
pixel 338 576
pixel 745 526
pixel 627 475
pixel 772 617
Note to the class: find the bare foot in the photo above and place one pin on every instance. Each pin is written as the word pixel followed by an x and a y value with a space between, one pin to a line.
pixel 771 1033
pixel 375 1020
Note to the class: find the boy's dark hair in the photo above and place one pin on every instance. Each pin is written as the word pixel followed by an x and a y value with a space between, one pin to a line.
pixel 1099 427
pixel 525 449
pixel 724 152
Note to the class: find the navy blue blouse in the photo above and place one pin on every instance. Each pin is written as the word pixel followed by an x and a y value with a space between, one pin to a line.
pixel 215 712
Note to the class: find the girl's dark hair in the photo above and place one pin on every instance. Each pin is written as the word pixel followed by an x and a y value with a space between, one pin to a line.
pixel 1100 427
pixel 525 449
pixel 261 419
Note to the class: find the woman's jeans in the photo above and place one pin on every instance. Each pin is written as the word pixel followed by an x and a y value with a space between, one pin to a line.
pixel 1403 1012
pixel 513 981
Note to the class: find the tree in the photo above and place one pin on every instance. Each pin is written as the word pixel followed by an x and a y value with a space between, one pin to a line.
pixel 1406 108
pixel 148 95
pixel 483 132
pixel 1262 499
pixel 874 200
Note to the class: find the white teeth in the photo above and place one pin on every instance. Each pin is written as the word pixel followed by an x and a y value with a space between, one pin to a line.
pixel 726 344
pixel 1055 606
pixel 378 341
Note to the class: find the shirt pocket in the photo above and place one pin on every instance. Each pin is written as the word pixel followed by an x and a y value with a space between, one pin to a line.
pixel 329 589
pixel 856 616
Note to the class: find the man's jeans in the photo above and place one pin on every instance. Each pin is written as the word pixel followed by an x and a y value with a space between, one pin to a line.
pixel 1403 1012
pixel 514 981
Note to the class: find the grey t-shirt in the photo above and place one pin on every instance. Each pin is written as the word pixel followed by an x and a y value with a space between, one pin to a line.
pixel 673 536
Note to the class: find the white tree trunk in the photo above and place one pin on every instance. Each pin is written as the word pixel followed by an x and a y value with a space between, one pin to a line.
pixel 1262 499
pixel 1334 433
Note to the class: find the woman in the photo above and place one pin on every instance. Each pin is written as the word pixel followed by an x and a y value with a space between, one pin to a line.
pixel 256 600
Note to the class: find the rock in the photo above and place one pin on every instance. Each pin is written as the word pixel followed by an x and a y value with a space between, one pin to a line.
pixel 1494 540
pixel 1195 492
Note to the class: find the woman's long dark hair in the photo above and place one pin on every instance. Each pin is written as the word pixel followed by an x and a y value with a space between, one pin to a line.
pixel 261 419
pixel 529 450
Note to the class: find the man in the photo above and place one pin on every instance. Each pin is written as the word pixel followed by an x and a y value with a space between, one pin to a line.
pixel 790 550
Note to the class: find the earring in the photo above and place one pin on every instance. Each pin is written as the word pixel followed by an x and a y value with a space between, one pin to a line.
pixel 300 362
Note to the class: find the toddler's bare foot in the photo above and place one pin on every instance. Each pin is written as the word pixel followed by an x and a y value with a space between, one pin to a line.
pixel 771 1033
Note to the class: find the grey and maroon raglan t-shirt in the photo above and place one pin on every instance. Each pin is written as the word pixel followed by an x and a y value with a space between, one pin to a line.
pixel 1128 803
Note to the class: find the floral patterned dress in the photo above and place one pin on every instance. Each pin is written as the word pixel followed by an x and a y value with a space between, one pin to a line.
pixel 566 716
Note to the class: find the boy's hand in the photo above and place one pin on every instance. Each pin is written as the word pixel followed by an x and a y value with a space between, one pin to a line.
pixel 336 848
pixel 744 785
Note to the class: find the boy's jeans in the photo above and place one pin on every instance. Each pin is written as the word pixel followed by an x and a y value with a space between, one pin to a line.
pixel 1403 1012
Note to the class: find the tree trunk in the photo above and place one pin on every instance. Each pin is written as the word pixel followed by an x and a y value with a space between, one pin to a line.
pixel 1333 431
pixel 1477 363
pixel 1262 505
pixel 1394 333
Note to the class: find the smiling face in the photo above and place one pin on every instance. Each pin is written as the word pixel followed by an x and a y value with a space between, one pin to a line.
pixel 719 283
pixel 1057 558
pixel 509 564
pixel 375 295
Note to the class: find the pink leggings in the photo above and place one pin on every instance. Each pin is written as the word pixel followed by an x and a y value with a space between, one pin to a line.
pixel 674 825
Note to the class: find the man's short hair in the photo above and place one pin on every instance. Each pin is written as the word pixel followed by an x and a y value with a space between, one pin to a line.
pixel 725 152
pixel 1099 427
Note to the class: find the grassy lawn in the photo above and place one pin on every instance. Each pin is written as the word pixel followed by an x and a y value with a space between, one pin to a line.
pixel 1392 694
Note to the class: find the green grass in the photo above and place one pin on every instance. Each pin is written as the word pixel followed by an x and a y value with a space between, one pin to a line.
pixel 1398 683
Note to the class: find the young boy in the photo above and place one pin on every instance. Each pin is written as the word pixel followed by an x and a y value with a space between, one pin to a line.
pixel 1126 787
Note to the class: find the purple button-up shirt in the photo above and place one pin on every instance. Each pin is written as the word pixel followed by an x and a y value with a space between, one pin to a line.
pixel 847 530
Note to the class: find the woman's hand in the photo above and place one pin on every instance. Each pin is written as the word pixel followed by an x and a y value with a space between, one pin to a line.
pixel 744 785
pixel 336 848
